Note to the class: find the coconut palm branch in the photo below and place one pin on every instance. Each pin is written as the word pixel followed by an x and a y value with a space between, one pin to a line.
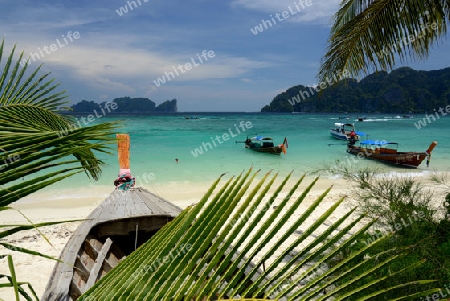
pixel 372 34
pixel 35 139
pixel 38 146
pixel 244 242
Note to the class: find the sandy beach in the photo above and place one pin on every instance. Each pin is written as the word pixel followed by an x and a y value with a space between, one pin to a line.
pixel 36 270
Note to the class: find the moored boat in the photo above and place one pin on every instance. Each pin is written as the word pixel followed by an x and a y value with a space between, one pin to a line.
pixel 343 131
pixel 386 152
pixel 265 145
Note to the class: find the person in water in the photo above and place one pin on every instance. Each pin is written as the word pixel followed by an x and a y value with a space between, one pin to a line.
pixel 352 139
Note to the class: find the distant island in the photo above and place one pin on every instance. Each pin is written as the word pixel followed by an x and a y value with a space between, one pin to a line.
pixel 126 105
pixel 404 90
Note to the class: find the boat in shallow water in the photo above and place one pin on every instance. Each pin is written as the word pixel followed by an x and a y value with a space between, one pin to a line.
pixel 386 152
pixel 343 131
pixel 265 145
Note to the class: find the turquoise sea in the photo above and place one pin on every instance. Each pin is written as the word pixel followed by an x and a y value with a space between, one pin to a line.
pixel 156 141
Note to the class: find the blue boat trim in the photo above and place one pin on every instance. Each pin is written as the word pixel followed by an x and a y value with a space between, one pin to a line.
pixel 376 142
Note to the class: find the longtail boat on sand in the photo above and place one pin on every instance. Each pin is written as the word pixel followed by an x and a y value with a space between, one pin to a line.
pixel 387 152
pixel 125 220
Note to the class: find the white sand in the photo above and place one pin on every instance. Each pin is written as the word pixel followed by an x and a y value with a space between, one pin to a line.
pixel 48 207
pixel 37 270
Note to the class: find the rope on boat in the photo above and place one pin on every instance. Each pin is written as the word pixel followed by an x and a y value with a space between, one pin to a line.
pixel 125 180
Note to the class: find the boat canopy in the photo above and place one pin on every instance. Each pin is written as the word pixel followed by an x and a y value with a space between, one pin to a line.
pixel 261 138
pixel 340 125
pixel 376 142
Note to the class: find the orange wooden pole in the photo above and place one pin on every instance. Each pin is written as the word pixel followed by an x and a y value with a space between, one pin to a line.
pixel 431 147
pixel 123 146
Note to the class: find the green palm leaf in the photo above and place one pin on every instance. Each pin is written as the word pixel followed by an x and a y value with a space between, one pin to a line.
pixel 370 34
pixel 36 139
pixel 20 290
pixel 14 89
pixel 38 146
pixel 218 249
pixel 34 136
pixel 13 276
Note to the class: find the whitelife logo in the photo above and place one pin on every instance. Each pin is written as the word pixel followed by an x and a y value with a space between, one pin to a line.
pixel 8 160
pixel 188 66
pixel 205 145
pixel 52 48
pixel 265 24
pixel 109 106
pixel 423 122
pixel 321 86
pixel 124 9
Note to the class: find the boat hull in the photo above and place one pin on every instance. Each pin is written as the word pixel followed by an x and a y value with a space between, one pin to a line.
pixel 271 150
pixel 344 131
pixel 119 225
pixel 405 159
pixel 341 136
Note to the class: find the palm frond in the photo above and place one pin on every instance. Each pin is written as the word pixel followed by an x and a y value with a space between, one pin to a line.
pixel 236 244
pixel 35 140
pixel 17 228
pixel 17 286
pixel 15 89
pixel 39 147
pixel 13 277
pixel 371 34
pixel 26 251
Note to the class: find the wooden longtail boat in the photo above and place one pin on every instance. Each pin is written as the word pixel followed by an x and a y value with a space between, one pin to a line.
pixel 125 220
pixel 265 145
pixel 387 152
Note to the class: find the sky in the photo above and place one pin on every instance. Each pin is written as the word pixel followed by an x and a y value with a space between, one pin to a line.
pixel 100 50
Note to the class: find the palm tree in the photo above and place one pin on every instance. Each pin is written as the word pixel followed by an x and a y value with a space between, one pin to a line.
pixel 371 34
pixel 244 243
pixel 38 146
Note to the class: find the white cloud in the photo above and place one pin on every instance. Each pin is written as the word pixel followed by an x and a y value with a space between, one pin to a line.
pixel 320 11
pixel 98 61
pixel 103 66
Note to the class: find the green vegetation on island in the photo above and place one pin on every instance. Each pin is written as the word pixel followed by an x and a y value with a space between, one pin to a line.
pixel 403 90
pixel 127 105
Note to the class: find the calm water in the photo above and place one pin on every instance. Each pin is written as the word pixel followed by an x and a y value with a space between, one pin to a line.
pixel 156 141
